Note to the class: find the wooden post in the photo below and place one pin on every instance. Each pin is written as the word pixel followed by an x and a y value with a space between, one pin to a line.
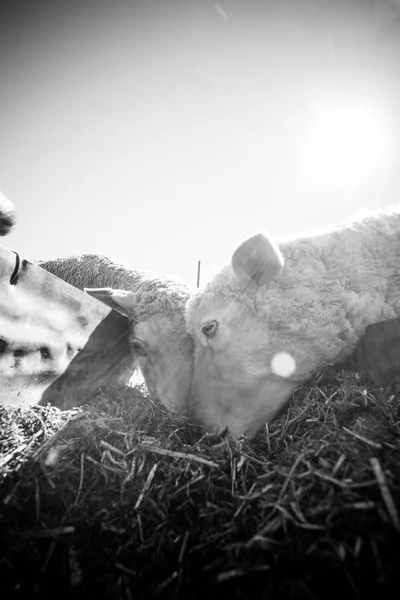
pixel 80 344
pixel 198 273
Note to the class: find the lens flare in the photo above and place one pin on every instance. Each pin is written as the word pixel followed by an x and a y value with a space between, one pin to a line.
pixel 283 364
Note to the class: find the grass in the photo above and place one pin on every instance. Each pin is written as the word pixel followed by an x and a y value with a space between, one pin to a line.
pixel 122 500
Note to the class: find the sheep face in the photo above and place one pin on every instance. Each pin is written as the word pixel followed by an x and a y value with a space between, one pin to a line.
pixel 163 349
pixel 236 384
pixel 243 372
pixel 165 358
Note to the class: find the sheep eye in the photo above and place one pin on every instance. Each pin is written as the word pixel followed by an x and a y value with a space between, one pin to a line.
pixel 138 346
pixel 210 329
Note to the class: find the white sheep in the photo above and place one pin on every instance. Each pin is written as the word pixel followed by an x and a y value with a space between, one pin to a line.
pixel 156 306
pixel 262 329
pixel 7 215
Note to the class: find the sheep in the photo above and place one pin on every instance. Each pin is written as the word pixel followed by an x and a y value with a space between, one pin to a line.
pixel 156 306
pixel 268 320
pixel 7 215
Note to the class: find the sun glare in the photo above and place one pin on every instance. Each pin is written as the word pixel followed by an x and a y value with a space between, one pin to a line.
pixel 345 142
pixel 283 364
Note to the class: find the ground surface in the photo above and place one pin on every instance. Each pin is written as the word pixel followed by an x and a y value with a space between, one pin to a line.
pixel 120 500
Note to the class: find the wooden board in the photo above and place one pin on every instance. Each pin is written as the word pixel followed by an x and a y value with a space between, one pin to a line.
pixel 377 353
pixel 57 344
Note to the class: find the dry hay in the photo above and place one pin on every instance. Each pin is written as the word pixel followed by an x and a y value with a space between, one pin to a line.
pixel 122 500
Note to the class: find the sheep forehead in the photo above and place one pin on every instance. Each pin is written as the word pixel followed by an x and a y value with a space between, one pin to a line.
pixel 266 305
pixel 222 298
pixel 224 312
pixel 159 330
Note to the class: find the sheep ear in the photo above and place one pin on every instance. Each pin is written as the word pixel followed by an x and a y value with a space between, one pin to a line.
pixel 257 261
pixel 119 300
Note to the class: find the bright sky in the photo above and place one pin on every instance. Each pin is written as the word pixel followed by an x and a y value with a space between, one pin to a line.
pixel 161 132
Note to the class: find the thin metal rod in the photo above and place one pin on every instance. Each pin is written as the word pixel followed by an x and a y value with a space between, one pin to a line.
pixel 198 273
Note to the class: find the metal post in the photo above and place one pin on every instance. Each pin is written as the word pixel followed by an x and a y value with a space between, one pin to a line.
pixel 198 273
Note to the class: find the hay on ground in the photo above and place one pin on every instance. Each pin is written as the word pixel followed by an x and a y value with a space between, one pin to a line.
pixel 122 500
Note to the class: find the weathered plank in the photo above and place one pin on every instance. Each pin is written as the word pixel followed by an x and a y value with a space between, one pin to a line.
pixel 57 344
pixel 377 353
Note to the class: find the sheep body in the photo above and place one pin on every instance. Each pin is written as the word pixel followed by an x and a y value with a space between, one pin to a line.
pixel 157 314
pixel 258 334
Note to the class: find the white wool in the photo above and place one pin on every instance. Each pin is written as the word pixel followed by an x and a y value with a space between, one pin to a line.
pixel 332 286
